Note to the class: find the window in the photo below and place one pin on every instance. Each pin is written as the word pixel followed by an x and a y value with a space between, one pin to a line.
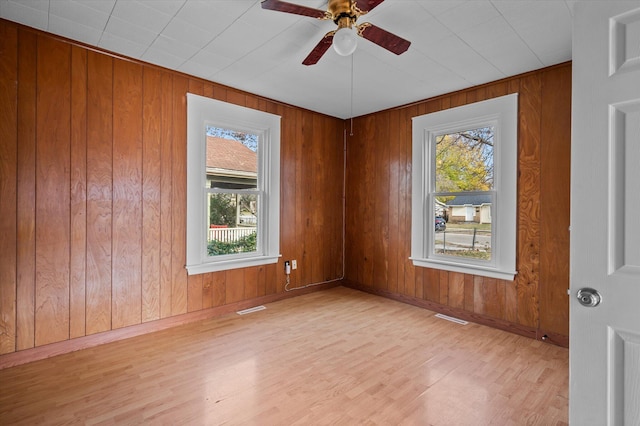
pixel 233 186
pixel 464 188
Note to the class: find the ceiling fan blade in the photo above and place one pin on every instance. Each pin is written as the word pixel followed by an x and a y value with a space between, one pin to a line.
pixel 383 38
pixel 367 5
pixel 296 9
pixel 320 49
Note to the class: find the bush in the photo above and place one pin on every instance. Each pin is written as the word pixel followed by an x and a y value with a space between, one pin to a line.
pixel 242 245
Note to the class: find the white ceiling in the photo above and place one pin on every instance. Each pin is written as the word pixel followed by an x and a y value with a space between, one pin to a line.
pixel 454 44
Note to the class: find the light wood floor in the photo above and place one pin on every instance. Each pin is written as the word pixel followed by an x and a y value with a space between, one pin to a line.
pixel 333 357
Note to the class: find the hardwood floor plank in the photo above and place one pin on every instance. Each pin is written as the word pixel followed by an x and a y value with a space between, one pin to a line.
pixel 338 356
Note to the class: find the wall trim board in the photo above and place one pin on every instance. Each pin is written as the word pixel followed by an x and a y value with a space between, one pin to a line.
pixel 67 346
pixel 521 330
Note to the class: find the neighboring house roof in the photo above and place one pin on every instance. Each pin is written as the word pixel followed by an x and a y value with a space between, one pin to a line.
pixel 473 200
pixel 227 154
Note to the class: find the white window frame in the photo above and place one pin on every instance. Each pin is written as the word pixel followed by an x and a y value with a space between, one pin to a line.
pixel 203 112
pixel 502 114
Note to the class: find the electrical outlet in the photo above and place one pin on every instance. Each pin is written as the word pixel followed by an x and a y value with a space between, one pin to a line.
pixel 294 264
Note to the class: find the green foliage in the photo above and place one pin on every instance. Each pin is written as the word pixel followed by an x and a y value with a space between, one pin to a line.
pixel 242 245
pixel 222 210
pixel 464 161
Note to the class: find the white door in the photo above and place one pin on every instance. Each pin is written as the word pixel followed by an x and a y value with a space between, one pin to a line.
pixel 605 224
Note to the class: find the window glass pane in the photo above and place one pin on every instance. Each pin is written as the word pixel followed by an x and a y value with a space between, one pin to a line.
pixel 233 223
pixel 232 164
pixel 464 160
pixel 232 159
pixel 463 227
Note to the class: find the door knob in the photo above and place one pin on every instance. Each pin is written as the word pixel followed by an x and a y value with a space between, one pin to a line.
pixel 589 297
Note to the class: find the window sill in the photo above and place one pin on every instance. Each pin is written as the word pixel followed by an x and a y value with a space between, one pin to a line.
pixel 465 268
pixel 224 265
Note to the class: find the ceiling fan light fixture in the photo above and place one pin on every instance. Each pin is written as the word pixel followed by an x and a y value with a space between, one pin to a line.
pixel 345 41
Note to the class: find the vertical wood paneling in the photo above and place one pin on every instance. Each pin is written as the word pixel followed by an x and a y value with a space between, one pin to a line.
pixel 332 234
pixel 166 194
pixel 99 191
pixel 250 283
pixel 555 200
pixel 93 168
pixel 272 275
pixel 196 87
pixel 151 187
pixel 304 195
pixel 377 225
pixel 218 288
pixel 494 90
pixel 8 189
pixel 179 197
pixel 456 290
pixel 207 290
pixel 53 214
pixel 380 212
pixel 77 296
pixel 493 295
pixel 234 285
pixel 354 201
pixel 261 285
pixel 431 281
pixel 511 301
pixel 444 287
pixel 529 201
pixel 418 287
pixel 395 173
pixel 236 97
pixel 26 243
pixel 458 99
pixel 469 292
pixel 336 259
pixel 366 220
pixel 291 198
pixel 521 302
pixel 127 194
pixel 195 285
pixel 477 95
pixel 478 295
pixel 316 218
pixel 288 185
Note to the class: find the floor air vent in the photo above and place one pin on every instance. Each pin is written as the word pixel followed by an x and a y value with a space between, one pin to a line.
pixel 251 310
pixel 452 319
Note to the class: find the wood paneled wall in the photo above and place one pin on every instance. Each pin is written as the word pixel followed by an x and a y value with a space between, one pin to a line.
pixel 378 220
pixel 93 204
pixel 92 207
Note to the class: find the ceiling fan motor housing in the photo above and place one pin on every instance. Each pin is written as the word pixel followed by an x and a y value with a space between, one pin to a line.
pixel 342 13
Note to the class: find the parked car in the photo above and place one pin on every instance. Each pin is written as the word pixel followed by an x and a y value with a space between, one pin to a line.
pixel 441 225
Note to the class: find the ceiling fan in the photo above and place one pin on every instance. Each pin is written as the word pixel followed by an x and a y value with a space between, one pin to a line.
pixel 344 13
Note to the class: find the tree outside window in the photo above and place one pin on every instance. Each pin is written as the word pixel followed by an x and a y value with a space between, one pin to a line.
pixel 463 185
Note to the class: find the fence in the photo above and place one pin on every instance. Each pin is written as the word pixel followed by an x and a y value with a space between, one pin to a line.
pixel 230 234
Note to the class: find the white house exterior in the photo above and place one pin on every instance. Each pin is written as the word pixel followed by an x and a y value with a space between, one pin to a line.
pixel 470 208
